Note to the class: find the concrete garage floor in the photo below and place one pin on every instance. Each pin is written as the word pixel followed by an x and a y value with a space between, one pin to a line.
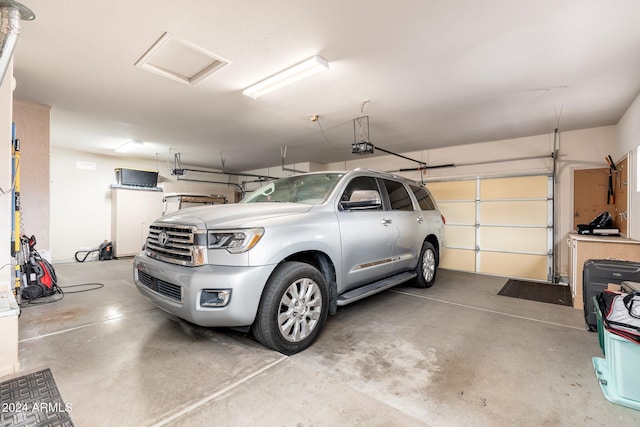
pixel 455 354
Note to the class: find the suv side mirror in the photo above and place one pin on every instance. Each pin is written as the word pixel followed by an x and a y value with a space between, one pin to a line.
pixel 362 199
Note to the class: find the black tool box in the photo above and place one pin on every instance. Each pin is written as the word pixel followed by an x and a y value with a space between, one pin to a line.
pixel 597 274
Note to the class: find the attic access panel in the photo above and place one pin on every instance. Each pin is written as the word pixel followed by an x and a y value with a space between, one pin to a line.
pixel 179 60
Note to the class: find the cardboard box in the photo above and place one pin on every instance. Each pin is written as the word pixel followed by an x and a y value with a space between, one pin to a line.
pixel 614 287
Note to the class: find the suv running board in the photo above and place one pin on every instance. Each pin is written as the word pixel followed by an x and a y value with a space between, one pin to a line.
pixel 373 288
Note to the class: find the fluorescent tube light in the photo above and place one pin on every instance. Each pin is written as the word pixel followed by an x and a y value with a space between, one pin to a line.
pixel 129 146
pixel 293 74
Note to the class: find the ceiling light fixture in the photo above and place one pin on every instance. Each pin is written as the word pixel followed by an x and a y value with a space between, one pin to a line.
pixel 129 146
pixel 291 75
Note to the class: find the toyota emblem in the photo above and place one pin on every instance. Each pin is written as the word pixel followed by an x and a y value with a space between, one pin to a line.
pixel 163 239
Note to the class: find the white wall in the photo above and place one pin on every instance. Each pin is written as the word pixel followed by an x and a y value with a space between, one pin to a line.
pixel 490 153
pixel 81 196
pixel 81 206
pixel 627 142
pixel 6 108
pixel 577 149
pixel 9 363
pixel 581 149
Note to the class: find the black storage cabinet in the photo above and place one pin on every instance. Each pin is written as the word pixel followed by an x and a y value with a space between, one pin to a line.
pixel 136 178
pixel 597 274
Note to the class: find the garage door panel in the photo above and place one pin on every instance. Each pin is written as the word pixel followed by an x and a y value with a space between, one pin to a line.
pixel 460 236
pixel 513 239
pixel 513 265
pixel 507 219
pixel 524 187
pixel 453 190
pixel 520 212
pixel 458 212
pixel 458 259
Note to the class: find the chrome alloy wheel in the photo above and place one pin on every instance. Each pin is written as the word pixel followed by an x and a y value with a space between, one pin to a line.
pixel 300 309
pixel 428 265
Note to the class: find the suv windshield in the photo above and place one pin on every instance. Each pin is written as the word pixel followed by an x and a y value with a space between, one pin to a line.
pixel 308 189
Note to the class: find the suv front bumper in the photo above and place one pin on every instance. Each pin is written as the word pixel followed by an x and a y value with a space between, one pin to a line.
pixel 176 289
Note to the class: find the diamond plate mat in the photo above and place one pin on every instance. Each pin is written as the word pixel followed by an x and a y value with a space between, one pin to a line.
pixel 33 400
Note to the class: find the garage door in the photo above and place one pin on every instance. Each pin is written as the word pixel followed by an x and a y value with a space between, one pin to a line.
pixel 500 226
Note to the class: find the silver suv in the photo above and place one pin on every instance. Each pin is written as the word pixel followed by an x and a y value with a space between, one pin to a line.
pixel 290 253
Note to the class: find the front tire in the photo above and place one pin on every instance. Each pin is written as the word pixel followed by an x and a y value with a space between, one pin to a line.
pixel 293 308
pixel 427 266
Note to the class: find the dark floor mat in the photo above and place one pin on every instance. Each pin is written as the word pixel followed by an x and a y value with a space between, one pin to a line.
pixel 534 291
pixel 33 400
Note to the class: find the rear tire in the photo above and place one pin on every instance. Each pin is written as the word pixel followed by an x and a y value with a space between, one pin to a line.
pixel 427 266
pixel 293 308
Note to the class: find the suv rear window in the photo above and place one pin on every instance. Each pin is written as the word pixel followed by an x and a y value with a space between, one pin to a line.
pixel 423 197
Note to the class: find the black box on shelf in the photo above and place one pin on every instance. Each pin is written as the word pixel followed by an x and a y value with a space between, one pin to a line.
pixel 136 178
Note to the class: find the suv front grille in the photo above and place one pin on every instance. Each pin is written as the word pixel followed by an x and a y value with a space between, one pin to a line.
pixel 172 243
pixel 167 289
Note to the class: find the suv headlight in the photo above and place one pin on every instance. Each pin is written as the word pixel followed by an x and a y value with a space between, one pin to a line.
pixel 234 241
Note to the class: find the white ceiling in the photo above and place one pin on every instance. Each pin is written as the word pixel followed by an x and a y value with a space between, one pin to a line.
pixel 435 73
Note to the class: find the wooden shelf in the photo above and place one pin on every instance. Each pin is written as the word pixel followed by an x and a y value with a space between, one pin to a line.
pixel 586 247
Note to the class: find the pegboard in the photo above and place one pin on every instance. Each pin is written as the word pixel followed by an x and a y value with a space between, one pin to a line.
pixel 590 195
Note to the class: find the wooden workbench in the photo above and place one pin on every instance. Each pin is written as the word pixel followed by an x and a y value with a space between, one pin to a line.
pixel 586 247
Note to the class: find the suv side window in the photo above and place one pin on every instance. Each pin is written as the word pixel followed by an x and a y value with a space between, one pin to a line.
pixel 398 196
pixel 423 197
pixel 360 183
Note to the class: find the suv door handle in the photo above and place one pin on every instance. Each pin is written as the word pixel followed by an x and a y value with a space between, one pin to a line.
pixel 385 221
pixel 419 220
